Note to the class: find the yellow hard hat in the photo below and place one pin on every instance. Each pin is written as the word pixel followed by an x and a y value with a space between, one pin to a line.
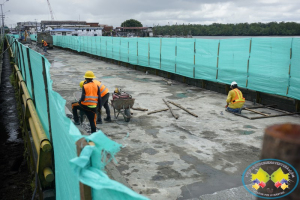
pixel 89 74
pixel 81 84
pixel 42 40
pixel 116 90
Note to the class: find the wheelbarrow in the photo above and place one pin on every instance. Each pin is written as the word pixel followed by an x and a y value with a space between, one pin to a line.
pixel 122 106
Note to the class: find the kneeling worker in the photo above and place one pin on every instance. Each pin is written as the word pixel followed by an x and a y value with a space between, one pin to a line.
pixel 235 99
pixel 90 99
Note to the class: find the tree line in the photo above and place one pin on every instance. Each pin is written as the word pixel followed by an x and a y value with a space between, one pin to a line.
pixel 241 29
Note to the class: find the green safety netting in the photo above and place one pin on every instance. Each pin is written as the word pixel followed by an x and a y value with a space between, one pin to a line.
pixel 168 54
pixel 88 168
pixel 294 81
pixel 33 37
pixel 261 64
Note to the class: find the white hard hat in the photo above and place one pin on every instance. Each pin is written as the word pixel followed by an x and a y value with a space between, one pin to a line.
pixel 233 83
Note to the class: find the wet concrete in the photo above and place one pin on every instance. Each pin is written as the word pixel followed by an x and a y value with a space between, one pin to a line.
pixel 164 158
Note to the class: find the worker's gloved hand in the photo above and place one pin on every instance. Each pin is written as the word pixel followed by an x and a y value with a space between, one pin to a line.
pixel 226 106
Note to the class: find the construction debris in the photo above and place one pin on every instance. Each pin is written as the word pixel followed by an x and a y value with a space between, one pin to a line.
pixel 174 115
pixel 179 106
pixel 141 109
pixel 156 111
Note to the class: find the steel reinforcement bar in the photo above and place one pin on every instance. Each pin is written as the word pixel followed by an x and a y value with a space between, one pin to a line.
pixel 37 145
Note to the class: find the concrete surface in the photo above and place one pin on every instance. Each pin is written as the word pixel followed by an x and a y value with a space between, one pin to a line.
pixel 164 158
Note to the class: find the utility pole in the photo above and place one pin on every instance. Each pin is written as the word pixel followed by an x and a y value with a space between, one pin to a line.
pixel 2 15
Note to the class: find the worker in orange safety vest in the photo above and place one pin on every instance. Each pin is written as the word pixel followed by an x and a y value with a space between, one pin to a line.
pixel 104 92
pixel 45 44
pixel 90 99
pixel 235 99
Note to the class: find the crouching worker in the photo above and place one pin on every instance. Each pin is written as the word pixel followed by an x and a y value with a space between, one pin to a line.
pixel 90 99
pixel 76 107
pixel 235 99
pixel 104 92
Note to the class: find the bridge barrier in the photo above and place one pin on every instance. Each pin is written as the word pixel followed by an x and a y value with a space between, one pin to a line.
pixel 74 172
pixel 269 65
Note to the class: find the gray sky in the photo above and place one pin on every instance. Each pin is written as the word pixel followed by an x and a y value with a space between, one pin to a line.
pixel 162 12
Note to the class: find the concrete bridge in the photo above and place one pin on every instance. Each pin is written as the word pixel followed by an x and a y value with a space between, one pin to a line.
pixel 162 157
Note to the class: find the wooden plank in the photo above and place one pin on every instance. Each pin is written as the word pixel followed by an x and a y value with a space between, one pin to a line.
pixel 238 114
pixel 141 109
pixel 174 115
pixel 179 106
pixel 85 191
pixel 286 114
pixel 256 112
pixel 156 111
pixel 262 106
pixel 283 111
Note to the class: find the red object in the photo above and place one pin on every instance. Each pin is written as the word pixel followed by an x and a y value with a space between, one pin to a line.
pixel 123 95
pixel 262 184
pixel 277 184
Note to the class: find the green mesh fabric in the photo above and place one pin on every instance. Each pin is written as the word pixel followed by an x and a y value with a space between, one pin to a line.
pixel 168 54
pixel 261 64
pixel 39 89
pixel 70 170
pixel 33 37
pixel 116 48
pixel 109 47
pixel 233 59
pixel 269 65
pixel 206 59
pixel 154 53
pixel 143 51
pixel 132 51
pixel 294 78
pixel 185 57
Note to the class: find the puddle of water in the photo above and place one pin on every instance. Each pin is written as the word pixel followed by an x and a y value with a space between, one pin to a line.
pixel 244 132
pixel 181 95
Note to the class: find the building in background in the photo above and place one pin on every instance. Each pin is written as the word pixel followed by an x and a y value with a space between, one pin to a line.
pixel 134 31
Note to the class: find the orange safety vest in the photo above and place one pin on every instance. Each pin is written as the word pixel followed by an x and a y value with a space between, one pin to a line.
pixel 238 96
pixel 91 96
pixel 45 43
pixel 103 88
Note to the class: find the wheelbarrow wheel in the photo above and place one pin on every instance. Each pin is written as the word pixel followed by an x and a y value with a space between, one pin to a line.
pixel 127 115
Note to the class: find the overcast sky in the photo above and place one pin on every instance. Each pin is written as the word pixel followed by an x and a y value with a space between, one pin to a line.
pixel 162 12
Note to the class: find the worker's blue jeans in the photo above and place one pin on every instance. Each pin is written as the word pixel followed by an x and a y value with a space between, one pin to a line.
pixel 45 49
pixel 236 110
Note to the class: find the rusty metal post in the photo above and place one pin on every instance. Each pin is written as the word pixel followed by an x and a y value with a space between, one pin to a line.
pixel 283 142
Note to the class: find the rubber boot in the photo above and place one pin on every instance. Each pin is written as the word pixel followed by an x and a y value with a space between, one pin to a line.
pixel 99 120
pixel 107 119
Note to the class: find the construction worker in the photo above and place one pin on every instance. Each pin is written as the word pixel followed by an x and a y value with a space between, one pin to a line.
pixel 44 44
pixel 235 99
pixel 75 107
pixel 104 99
pixel 90 99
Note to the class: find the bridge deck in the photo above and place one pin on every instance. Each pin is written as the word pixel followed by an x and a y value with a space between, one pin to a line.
pixel 164 158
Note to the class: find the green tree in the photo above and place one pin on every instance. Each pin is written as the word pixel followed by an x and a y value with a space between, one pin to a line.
pixel 131 23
